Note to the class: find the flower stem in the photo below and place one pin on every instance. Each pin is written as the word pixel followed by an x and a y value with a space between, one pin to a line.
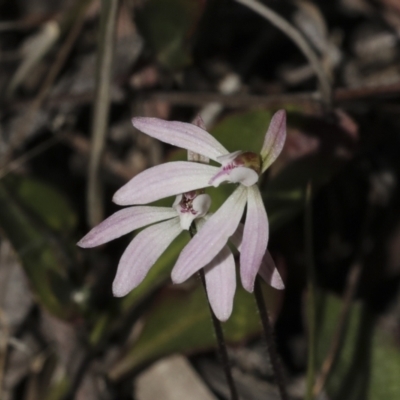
pixel 221 346
pixel 269 338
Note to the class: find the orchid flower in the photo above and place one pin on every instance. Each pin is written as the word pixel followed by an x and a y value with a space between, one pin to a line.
pixel 240 167
pixel 148 245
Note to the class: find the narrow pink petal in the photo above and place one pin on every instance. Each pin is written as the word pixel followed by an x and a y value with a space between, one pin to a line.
pixel 164 180
pixel 255 238
pixel 230 157
pixel 142 253
pixel 270 273
pixel 220 276
pixel 268 270
pixel 274 139
pixel 181 134
pixel 237 237
pixel 211 238
pixel 123 222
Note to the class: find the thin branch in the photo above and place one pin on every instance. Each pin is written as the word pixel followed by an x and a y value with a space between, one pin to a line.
pixel 29 155
pixel 269 338
pixel 28 120
pixel 198 99
pixel 334 348
pixel 350 291
pixel 101 109
pixel 81 144
pixel 195 99
pixel 296 36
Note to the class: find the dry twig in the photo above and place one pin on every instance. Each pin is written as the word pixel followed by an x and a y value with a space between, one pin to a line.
pixel 101 110
pixel 28 120
pixel 296 36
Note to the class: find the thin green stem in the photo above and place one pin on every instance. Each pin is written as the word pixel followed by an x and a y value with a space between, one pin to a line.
pixel 269 338
pixel 311 293
pixel 223 352
pixel 101 109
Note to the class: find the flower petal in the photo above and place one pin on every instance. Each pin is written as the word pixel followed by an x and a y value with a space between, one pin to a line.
pixel 270 273
pixel 245 176
pixel 181 134
pixel 255 238
pixel 237 237
pixel 209 241
pixel 268 270
pixel 123 222
pixel 142 253
pixel 274 139
pixel 228 158
pixel 164 180
pixel 220 277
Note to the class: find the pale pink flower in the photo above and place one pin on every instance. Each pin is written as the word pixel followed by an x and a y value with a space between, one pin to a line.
pixel 238 167
pixel 148 245
pixel 208 249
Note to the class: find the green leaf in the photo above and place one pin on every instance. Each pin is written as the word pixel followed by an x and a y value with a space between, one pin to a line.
pixel 243 131
pixel 44 259
pixel 385 383
pixel 181 322
pixel 284 195
pixel 158 275
pixel 368 366
pixel 44 202
pixel 167 27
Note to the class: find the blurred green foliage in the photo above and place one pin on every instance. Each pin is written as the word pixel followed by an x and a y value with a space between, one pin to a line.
pixel 180 322
pixel 50 206
pixel 30 214
pixel 284 194
pixel 168 26
pixel 243 131
pixel 40 223
pixel 368 364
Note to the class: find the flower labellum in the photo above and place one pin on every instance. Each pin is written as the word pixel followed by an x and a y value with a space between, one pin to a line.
pixel 191 205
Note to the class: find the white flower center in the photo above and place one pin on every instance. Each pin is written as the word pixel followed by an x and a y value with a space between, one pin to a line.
pixel 191 205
